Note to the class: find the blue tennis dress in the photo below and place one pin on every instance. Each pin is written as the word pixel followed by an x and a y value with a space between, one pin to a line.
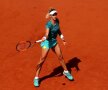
pixel 53 32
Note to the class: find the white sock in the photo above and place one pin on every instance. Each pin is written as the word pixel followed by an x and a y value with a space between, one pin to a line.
pixel 36 77
pixel 66 71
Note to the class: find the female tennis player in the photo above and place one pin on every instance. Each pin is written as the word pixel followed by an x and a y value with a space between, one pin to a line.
pixel 49 42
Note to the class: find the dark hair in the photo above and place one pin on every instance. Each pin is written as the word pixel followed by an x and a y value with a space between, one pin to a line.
pixel 51 9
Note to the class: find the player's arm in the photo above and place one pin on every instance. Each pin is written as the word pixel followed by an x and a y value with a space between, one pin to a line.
pixel 61 35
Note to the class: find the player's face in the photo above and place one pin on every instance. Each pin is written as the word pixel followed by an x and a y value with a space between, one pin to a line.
pixel 54 16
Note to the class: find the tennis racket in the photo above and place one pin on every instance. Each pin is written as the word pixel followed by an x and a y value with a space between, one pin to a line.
pixel 24 45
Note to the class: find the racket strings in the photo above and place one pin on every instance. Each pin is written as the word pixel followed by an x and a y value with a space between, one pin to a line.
pixel 23 45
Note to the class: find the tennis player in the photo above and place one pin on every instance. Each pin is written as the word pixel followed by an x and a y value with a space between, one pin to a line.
pixel 49 41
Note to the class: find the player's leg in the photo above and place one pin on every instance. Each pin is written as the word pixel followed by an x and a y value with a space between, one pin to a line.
pixel 58 52
pixel 42 59
pixel 56 49
pixel 39 65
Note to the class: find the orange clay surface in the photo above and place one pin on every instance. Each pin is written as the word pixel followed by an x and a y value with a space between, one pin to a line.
pixel 84 24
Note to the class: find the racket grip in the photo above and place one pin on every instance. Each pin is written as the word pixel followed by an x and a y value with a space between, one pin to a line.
pixel 38 41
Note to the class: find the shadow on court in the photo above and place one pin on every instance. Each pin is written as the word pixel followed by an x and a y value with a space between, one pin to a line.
pixel 58 71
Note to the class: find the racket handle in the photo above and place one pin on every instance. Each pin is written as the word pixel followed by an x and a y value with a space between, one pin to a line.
pixel 38 41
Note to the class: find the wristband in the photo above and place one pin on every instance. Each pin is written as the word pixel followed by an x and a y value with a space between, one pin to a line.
pixel 44 38
pixel 61 36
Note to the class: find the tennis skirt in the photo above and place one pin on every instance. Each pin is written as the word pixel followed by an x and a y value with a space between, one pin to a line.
pixel 48 44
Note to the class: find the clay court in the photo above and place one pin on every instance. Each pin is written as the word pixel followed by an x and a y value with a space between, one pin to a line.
pixel 84 24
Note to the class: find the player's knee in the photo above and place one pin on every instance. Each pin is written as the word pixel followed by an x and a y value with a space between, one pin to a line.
pixel 40 63
pixel 42 59
pixel 60 57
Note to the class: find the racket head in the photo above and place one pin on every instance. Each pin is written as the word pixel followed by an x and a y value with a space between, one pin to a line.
pixel 23 45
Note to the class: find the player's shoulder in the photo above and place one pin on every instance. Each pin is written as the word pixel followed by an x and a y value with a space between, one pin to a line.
pixel 48 22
